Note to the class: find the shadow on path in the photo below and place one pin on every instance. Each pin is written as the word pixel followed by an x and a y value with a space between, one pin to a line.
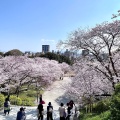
pixel 62 99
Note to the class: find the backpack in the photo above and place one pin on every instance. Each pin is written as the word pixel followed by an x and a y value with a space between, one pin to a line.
pixel 50 109
pixel 5 104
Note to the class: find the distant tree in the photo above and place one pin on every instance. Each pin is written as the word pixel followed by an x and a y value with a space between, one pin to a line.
pixel 63 58
pixel 57 57
pixel 14 52
pixel 37 54
pixel 1 54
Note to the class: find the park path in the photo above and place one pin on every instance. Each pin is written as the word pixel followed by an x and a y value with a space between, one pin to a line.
pixel 54 94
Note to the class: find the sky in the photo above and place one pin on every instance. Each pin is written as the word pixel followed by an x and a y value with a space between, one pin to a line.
pixel 28 24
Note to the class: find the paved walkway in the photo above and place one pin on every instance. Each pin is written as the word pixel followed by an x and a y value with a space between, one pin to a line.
pixel 54 94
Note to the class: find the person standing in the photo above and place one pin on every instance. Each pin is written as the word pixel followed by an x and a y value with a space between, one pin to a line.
pixel 21 114
pixel 71 103
pixel 68 111
pixel 62 112
pixel 40 111
pixel 40 98
pixel 41 101
pixel 6 106
pixel 49 111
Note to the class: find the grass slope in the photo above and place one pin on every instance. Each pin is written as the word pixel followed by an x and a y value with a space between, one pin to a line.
pixel 102 116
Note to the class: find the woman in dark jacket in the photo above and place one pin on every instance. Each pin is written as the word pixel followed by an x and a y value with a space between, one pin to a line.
pixel 6 106
pixel 40 110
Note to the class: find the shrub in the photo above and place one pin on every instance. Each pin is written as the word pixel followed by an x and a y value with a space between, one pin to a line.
pixel 15 100
pixel 27 102
pixel 95 116
pixel 31 93
pixel 117 89
pixel 101 106
pixel 115 104
pixel 2 99
pixel 81 115
pixel 105 115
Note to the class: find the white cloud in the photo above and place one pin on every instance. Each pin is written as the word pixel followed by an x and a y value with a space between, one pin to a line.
pixel 47 41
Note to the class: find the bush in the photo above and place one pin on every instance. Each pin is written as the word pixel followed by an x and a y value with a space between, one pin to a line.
pixel 105 115
pixel 81 115
pixel 117 89
pixel 101 106
pixel 115 104
pixel 95 116
pixel 26 102
pixel 2 99
pixel 31 93
pixel 14 100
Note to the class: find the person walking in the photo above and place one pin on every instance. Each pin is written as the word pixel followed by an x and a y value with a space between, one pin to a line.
pixel 49 111
pixel 62 112
pixel 40 111
pixel 21 114
pixel 6 106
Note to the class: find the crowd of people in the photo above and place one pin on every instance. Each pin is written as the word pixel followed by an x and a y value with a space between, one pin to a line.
pixel 65 111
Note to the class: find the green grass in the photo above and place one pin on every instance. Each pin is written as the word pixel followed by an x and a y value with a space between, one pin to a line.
pixel 90 116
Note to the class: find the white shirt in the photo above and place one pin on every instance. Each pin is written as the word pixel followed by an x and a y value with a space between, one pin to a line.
pixel 61 111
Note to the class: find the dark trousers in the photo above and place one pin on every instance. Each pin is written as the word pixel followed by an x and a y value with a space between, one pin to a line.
pixel 6 111
pixel 40 116
pixel 62 118
pixel 68 117
pixel 49 116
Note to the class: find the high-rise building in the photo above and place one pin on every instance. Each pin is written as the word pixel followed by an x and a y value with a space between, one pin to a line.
pixel 67 53
pixel 85 52
pixel 45 48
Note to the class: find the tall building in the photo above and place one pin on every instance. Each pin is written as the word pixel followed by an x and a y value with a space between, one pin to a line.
pixel 67 53
pixel 45 48
pixel 85 52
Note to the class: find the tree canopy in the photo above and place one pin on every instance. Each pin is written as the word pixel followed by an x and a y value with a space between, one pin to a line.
pixel 14 52
pixel 16 71
pixel 97 72
pixel 1 53
pixel 57 57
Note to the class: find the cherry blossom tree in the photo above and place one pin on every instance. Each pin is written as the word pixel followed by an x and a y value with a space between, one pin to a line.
pixel 88 85
pixel 16 71
pixel 102 42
